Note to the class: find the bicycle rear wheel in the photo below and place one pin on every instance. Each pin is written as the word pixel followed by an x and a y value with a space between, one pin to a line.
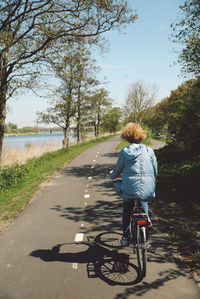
pixel 141 250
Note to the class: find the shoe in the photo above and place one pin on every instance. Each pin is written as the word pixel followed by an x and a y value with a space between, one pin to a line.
pixel 149 223
pixel 124 241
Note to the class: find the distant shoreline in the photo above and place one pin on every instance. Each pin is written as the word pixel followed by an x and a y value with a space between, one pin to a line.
pixel 28 133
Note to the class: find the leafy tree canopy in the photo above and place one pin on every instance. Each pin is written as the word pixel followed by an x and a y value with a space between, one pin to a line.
pixel 186 31
pixel 111 119
pixel 184 118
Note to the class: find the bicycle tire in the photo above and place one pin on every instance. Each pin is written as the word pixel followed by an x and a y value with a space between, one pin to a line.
pixel 140 250
pixel 106 270
pixel 133 234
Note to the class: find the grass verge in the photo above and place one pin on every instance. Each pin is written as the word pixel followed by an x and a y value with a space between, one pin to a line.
pixel 18 183
pixel 160 138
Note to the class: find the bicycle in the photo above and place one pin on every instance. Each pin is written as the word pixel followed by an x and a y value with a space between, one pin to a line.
pixel 139 236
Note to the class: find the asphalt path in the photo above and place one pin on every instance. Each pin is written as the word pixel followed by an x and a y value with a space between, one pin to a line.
pixel 65 244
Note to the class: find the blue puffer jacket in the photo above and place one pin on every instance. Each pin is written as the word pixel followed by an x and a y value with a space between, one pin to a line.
pixel 138 165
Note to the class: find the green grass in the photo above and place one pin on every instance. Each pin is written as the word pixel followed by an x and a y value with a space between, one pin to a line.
pixel 161 138
pixel 18 183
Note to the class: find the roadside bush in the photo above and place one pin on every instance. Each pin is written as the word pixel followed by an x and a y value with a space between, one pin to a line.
pixel 177 204
pixel 11 176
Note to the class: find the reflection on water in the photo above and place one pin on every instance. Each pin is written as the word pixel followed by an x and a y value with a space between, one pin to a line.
pixel 35 139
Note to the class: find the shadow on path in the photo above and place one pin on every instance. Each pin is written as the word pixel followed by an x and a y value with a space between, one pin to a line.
pixel 103 260
pixel 100 171
pixel 112 267
pixel 101 215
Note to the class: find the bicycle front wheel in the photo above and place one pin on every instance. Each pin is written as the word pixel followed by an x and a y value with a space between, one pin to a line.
pixel 140 249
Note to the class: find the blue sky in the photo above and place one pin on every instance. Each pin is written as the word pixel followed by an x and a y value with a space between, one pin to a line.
pixel 144 53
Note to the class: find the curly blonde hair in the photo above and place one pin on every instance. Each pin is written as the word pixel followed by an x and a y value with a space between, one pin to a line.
pixel 133 133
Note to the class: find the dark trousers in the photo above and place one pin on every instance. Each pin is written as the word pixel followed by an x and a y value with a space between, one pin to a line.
pixel 127 209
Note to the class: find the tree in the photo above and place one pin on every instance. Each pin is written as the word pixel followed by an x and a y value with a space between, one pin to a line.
pixel 111 119
pixel 76 71
pixel 140 97
pixel 98 103
pixel 86 71
pixel 62 109
pixel 60 114
pixel 10 127
pixel 184 118
pixel 28 28
pixel 186 31
pixel 156 117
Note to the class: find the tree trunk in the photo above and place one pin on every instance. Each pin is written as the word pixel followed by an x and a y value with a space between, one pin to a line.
pixel 98 124
pixel 68 110
pixel 95 129
pixel 78 132
pixel 79 116
pixel 66 137
pixel 2 123
pixel 3 94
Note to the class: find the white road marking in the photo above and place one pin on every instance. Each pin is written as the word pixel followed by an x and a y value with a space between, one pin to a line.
pixel 92 166
pixel 90 177
pixel 75 266
pixel 79 237
pixel 86 195
pixel 86 191
pixel 87 185
pixel 85 203
pixel 94 160
pixel 82 224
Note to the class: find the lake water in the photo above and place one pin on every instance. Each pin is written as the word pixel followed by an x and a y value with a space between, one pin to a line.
pixel 35 139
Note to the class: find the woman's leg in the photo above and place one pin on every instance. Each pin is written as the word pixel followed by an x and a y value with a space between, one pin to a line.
pixel 128 205
pixel 144 204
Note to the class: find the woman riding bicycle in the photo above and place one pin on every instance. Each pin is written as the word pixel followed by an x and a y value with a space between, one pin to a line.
pixel 138 165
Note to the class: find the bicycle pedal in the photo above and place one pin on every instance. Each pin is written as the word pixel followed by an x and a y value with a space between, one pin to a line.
pixel 146 246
